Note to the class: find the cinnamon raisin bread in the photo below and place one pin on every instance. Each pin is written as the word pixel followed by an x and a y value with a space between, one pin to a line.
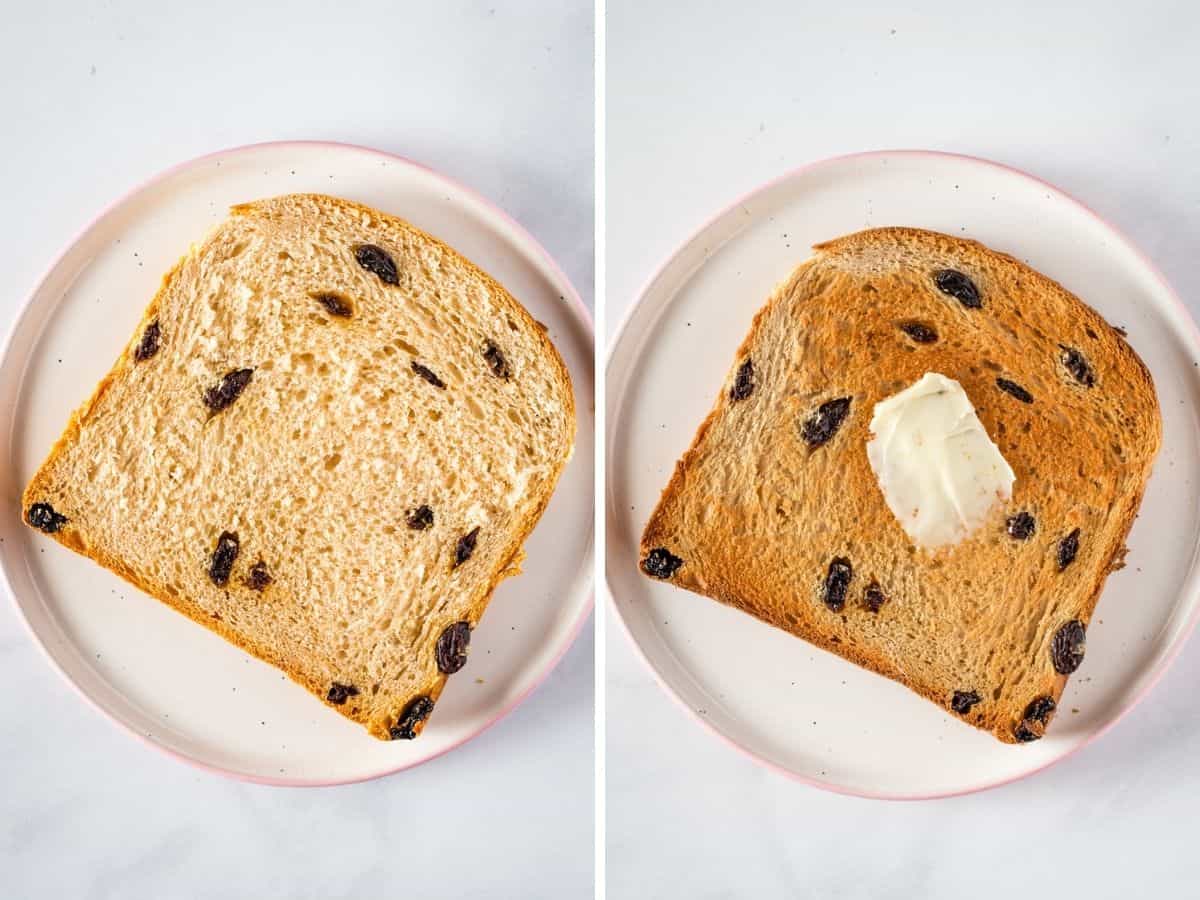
pixel 327 441
pixel 775 508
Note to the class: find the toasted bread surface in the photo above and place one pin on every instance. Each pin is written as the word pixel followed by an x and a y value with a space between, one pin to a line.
pixel 775 510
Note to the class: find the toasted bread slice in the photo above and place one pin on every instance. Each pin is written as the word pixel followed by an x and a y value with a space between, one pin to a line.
pixel 327 441
pixel 775 509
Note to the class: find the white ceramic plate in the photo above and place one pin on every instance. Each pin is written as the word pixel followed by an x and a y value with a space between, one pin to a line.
pixel 169 681
pixel 787 704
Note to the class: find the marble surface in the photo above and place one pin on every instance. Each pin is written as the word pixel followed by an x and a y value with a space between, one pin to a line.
pixel 94 98
pixel 1099 99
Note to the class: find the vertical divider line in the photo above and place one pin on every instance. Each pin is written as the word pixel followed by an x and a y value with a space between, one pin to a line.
pixel 601 612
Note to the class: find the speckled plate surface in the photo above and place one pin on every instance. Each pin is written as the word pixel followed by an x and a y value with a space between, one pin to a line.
pixel 174 684
pixel 800 710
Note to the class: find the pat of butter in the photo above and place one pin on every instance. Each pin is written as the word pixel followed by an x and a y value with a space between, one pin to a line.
pixel 939 471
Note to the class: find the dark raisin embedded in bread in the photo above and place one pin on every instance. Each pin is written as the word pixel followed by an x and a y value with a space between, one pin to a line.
pixel 1068 548
pixel 1077 365
pixel 335 304
pixel 1015 390
pixel 451 649
pixel 148 345
pixel 420 518
pixel 874 597
pixel 223 558
pixel 1041 709
pixel 837 582
pixel 962 701
pixel 414 714
pixel 429 375
pixel 259 578
pixel 820 428
pixel 1021 526
pixel 496 361
pixel 958 286
pixel 340 693
pixel 43 517
pixel 465 547
pixel 743 382
pixel 377 260
pixel 1068 646
pixel 227 390
pixel 1033 723
pixel 661 563
pixel 919 332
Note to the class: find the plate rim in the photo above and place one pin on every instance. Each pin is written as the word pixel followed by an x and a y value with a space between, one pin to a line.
pixel 580 313
pixel 619 336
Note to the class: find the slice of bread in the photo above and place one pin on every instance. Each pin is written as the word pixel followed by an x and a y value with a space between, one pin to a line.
pixel 775 509
pixel 327 441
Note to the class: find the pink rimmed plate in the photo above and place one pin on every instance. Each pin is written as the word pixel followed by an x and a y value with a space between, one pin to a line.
pixel 168 681
pixel 788 705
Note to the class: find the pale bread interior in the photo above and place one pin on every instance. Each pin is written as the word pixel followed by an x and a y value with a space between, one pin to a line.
pixel 319 462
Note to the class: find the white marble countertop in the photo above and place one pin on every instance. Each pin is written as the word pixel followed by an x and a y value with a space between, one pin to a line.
pixel 94 98
pixel 702 107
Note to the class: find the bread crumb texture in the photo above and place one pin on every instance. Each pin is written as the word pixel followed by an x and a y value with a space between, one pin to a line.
pixel 271 456
pixel 774 508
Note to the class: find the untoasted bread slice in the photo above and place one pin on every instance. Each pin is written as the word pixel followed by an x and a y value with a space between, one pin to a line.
pixel 327 441
pixel 775 509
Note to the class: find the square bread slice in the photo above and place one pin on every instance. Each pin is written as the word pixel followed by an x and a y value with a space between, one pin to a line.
pixel 327 441
pixel 775 509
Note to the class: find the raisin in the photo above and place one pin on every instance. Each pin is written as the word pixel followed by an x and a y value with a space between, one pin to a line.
pixel 414 714
pixel 919 332
pixel 874 597
pixel 1068 646
pixel 377 260
pixel 465 547
pixel 1014 389
pixel 451 649
pixel 428 375
pixel 1021 526
pixel 661 563
pixel 1040 709
pixel 259 577
pixel 1068 548
pixel 420 518
pixel 958 286
pixel 340 693
pixel 1024 734
pixel 743 382
pixel 148 345
pixel 1033 723
pixel 335 304
pixel 962 701
pixel 496 361
pixel 43 517
pixel 823 424
pixel 231 387
pixel 223 558
pixel 1077 366
pixel 837 582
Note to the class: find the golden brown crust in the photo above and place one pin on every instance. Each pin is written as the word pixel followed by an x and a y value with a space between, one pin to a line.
pixel 749 506
pixel 509 561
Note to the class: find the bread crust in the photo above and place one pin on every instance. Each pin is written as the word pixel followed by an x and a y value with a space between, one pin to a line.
pixel 508 562
pixel 716 511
